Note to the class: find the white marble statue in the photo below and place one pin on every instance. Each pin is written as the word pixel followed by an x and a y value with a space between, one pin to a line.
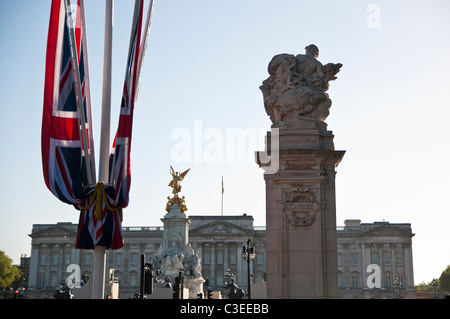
pixel 297 85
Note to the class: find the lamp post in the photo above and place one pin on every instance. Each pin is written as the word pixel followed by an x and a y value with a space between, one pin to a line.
pixel 434 284
pixel 248 253
pixel 397 287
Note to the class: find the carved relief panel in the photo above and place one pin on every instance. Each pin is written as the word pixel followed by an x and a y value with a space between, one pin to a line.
pixel 300 205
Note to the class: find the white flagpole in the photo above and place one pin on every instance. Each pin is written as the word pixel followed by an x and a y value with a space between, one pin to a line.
pixel 148 24
pixel 106 97
pixel 133 26
pixel 98 284
pixel 78 89
pixel 87 89
pixel 222 197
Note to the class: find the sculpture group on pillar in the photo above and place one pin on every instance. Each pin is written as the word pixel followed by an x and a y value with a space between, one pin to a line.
pixel 173 258
pixel 297 85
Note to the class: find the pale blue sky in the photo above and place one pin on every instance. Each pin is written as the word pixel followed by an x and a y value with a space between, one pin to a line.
pixel 204 64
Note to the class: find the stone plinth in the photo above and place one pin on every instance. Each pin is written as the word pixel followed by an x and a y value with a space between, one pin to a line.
pixel 175 227
pixel 175 241
pixel 195 286
pixel 301 244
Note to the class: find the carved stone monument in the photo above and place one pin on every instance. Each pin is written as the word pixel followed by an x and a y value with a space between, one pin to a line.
pixel 176 254
pixel 301 243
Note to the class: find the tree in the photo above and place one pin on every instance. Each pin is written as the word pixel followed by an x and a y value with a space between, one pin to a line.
pixel 9 275
pixel 423 286
pixel 444 280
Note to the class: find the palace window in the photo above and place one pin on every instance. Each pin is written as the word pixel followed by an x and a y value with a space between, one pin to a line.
pixel 53 281
pixel 134 258
pixel 219 257
pixel 401 282
pixel 388 281
pixel 233 259
pixel 206 258
pixel 55 260
pixel 41 281
pixel 375 259
pixel 118 259
pixel 259 259
pixel 355 281
pixel 133 281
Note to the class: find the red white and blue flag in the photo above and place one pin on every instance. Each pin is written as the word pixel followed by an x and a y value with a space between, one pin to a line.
pixel 120 173
pixel 67 137
pixel 63 155
pixel 118 188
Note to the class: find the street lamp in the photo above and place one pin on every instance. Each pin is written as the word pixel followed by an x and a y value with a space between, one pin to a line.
pixel 248 253
pixel 434 284
pixel 397 286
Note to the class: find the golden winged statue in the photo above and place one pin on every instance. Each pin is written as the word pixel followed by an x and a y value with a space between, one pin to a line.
pixel 177 177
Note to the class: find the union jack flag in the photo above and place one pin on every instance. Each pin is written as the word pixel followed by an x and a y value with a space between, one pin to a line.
pixel 120 173
pixel 106 231
pixel 66 158
pixel 63 155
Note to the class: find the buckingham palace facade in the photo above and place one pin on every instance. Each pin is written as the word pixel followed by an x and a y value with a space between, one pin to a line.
pixel 219 240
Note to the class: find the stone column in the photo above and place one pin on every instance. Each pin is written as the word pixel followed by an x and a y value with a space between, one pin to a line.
pixel 34 266
pixel 365 261
pixel 381 263
pixel 213 263
pixel 407 260
pixel 240 274
pixel 225 256
pixel 301 243
pixel 393 259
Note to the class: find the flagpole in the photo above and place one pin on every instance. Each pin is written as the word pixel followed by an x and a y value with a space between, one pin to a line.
pixel 222 197
pixel 79 99
pixel 135 21
pixel 87 90
pixel 106 97
pixel 148 24
pixel 98 284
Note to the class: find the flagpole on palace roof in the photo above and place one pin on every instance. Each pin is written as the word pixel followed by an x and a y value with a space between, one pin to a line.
pixel 98 284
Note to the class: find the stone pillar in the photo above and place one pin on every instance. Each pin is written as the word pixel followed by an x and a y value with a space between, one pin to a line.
pixel 34 266
pixel 241 275
pixel 407 260
pixel 393 259
pixel 175 235
pixel 176 253
pixel 213 263
pixel 365 261
pixel 225 256
pixel 301 243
